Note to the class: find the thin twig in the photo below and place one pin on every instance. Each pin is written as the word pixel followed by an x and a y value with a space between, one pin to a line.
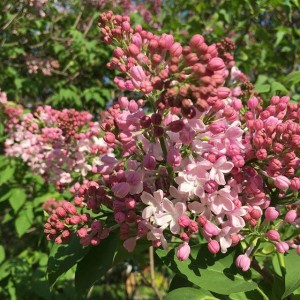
pixel 152 273
pixel 12 19
pixel 267 276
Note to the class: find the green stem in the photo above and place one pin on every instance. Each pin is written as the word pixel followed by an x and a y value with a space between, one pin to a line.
pixel 265 297
pixel 163 147
pixel 281 262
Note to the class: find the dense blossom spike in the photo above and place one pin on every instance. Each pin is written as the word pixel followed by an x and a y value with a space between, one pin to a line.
pixel 192 151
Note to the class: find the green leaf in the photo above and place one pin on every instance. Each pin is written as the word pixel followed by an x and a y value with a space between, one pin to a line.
pixel 179 281
pixel 64 257
pixel 214 273
pixel 24 220
pixel 262 88
pixel 277 86
pixel 5 269
pixel 293 77
pixel 292 278
pixel 188 293
pixel 2 254
pixel 17 198
pixel 95 264
pixel 6 174
pixel 279 36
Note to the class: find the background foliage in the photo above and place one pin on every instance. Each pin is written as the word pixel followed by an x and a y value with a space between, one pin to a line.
pixel 52 54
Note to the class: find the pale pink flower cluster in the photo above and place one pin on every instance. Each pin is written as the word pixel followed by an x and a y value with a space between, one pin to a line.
pixel 59 145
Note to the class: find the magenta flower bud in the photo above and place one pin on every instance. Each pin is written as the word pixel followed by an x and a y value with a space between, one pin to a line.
pixel 123 102
pixel 120 217
pixel 133 106
pixel 184 221
pixel 210 186
pixel 82 232
pixel 183 251
pixel 130 203
pixel 133 50
pixel 258 140
pixel 275 164
pixel 191 59
pixel 60 225
pixel 282 182
pixel 261 154
pixel 235 239
pixel 213 246
pixel 156 119
pixel 285 99
pixel 258 124
pixel 295 184
pixel 210 229
pixel 278 148
pixel 149 161
pixel 193 227
pixel 125 137
pixel 237 104
pixel 58 240
pixel 217 127
pixel 238 161
pixel 156 59
pixel 290 216
pixel 85 217
pixel 223 92
pixel 168 40
pixel 184 236
pixel 109 138
pixel 70 208
pixel 282 247
pixel 75 220
pixel 137 40
pixel 255 213
pixel 153 45
pixel 60 212
pixel 252 102
pixel 174 157
pixel 175 50
pixel 118 52
pixel 216 64
pixel 271 213
pixel 196 41
pixel 137 73
pixel 243 262
pixel 145 121
pixel 273 235
pixel 176 126
pixel 275 100
pixel 202 220
pixel 131 216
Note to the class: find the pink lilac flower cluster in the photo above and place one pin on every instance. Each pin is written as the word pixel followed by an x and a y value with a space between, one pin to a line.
pixel 189 156
pixel 149 10
pixel 44 65
pixel 59 145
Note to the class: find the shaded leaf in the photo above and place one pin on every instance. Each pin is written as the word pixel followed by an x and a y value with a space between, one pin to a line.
pixel 95 264
pixel 214 273
pixel 188 293
pixel 64 257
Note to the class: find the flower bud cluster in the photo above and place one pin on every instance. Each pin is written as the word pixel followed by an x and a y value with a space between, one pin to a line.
pixel 187 77
pixel 187 154
pixel 274 133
